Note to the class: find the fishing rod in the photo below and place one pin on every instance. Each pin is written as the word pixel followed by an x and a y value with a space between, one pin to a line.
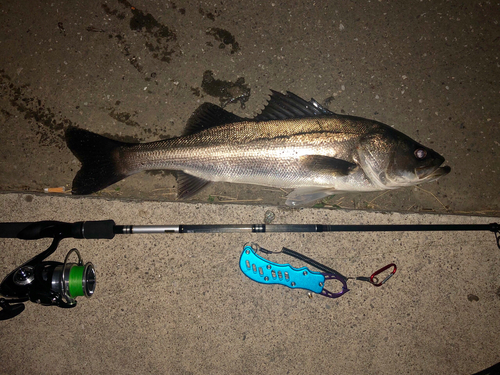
pixel 299 228
pixel 58 284
pixel 107 229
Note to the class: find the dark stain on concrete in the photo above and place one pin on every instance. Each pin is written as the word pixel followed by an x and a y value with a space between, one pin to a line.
pixel 196 91
pixel 159 38
pixel 125 49
pixel 228 92
pixel 50 126
pixel 225 38
pixel 472 298
pixel 174 6
pixel 124 118
pixel 209 14
pixel 113 12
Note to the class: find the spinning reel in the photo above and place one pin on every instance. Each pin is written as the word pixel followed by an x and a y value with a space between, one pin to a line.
pixel 47 283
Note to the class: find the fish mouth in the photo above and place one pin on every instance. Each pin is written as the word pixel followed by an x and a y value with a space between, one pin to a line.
pixel 432 173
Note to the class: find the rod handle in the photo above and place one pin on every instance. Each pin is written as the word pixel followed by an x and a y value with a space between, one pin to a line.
pixel 98 229
pixel 12 230
pixel 51 229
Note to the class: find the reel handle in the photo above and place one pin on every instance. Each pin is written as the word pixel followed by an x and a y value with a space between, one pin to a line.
pixel 103 229
pixel 9 311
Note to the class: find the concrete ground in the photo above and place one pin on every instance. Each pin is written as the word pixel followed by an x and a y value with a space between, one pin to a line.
pixel 137 71
pixel 178 303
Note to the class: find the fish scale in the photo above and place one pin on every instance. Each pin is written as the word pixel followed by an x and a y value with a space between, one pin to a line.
pixel 315 152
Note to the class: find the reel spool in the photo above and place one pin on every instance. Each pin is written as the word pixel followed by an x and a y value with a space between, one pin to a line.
pixel 74 280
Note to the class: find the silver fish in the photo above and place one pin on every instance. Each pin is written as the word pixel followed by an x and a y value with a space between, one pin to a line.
pixel 292 144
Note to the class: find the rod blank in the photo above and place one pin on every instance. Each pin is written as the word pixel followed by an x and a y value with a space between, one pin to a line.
pixel 301 228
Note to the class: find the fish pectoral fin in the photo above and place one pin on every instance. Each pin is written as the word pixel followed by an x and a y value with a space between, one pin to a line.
pixel 305 195
pixel 188 185
pixel 327 164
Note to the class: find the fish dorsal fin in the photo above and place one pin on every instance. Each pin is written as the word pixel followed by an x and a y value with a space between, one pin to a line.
pixel 282 107
pixel 207 116
pixel 188 185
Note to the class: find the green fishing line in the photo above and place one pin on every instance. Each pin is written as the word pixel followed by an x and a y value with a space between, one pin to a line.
pixel 76 281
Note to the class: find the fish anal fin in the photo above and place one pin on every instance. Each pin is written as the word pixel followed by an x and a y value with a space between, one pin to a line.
pixel 188 185
pixel 304 195
pixel 327 164
pixel 209 115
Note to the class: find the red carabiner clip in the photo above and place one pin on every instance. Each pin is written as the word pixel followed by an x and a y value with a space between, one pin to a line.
pixel 374 280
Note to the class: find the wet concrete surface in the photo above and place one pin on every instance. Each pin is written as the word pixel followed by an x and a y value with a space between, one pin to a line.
pixel 137 71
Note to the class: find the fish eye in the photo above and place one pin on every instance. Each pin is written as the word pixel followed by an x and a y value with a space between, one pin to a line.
pixel 420 153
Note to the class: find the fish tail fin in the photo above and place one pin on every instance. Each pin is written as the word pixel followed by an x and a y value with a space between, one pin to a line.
pixel 100 158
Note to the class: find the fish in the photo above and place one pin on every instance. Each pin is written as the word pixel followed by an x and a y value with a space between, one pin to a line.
pixel 292 144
